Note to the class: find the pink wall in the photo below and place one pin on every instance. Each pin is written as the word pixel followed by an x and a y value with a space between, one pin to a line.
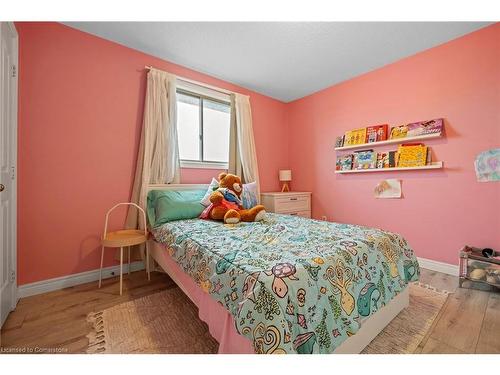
pixel 80 113
pixel 441 210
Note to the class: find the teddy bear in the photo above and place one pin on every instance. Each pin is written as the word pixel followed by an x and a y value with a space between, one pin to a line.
pixel 226 203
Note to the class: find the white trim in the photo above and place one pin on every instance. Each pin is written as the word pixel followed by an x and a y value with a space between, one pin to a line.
pixel 204 90
pixel 62 282
pixel 434 265
pixel 12 267
pixel 15 294
pixel 204 164
pixel 433 165
pixel 210 93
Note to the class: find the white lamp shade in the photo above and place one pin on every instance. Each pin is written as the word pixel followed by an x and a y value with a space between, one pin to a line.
pixel 285 175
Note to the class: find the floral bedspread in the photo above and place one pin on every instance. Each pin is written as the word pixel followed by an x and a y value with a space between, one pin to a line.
pixel 293 285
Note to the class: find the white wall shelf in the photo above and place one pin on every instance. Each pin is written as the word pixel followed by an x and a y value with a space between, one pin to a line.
pixel 434 165
pixel 390 142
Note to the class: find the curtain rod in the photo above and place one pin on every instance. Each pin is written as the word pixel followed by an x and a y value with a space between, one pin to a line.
pixel 224 91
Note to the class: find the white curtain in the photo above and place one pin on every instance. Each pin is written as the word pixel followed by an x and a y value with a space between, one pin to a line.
pixel 158 159
pixel 243 155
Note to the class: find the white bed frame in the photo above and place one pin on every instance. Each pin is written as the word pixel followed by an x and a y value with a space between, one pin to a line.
pixel 370 327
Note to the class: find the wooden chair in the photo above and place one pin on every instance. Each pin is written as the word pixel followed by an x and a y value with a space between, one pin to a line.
pixel 122 238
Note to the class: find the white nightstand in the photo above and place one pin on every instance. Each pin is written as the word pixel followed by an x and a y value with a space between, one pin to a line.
pixel 290 203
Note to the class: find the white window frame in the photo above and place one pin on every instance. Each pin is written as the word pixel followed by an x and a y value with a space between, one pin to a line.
pixel 211 94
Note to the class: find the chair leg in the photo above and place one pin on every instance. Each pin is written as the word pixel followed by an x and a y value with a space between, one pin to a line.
pixel 129 260
pixel 100 269
pixel 147 261
pixel 121 270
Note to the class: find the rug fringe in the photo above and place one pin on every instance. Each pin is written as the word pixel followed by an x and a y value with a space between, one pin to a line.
pixel 97 340
pixel 427 286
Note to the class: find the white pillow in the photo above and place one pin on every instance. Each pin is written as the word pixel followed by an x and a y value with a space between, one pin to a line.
pixel 206 198
pixel 249 195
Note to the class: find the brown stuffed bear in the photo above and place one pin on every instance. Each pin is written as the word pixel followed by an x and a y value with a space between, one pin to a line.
pixel 226 203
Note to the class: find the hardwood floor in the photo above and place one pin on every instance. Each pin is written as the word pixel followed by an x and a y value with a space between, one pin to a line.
pixel 58 319
pixel 468 323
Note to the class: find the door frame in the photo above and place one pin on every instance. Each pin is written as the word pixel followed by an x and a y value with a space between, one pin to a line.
pixel 15 109
pixel 14 148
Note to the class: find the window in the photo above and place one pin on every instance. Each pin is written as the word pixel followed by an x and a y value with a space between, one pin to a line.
pixel 203 126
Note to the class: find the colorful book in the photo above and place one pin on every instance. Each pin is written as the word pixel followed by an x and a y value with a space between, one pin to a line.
pixel 355 137
pixel 348 138
pixel 425 127
pixel 376 133
pixel 399 131
pixel 412 155
pixel 418 128
pixel 393 159
pixel 383 160
pixel 365 159
pixel 344 162
pixel 414 129
pixel 339 142
pixel 433 126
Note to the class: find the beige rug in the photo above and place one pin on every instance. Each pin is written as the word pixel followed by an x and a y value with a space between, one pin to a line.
pixel 405 332
pixel 149 325
pixel 165 322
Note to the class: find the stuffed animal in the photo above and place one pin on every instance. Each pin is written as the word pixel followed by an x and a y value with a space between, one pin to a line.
pixel 226 203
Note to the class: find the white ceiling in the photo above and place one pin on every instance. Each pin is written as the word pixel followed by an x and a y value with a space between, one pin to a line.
pixel 284 60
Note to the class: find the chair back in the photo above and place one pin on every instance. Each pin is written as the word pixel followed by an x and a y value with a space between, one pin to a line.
pixel 125 204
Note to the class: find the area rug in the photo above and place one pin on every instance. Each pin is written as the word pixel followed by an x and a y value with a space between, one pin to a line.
pixel 167 322
pixel 405 332
pixel 164 322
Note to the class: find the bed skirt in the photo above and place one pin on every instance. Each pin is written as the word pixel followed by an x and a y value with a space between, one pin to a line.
pixel 220 322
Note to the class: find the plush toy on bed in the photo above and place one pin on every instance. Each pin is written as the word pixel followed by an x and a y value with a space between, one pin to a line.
pixel 226 203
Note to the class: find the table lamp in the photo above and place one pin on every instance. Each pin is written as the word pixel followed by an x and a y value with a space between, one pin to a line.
pixel 285 176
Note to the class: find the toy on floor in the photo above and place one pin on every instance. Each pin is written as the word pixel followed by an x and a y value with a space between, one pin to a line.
pixel 226 203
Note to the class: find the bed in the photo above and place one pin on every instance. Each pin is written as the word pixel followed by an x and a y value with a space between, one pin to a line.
pixel 287 284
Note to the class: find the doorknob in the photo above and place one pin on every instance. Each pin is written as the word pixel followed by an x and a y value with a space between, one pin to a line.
pixel 2 187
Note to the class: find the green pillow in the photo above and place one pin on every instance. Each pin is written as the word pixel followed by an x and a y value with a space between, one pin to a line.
pixel 170 205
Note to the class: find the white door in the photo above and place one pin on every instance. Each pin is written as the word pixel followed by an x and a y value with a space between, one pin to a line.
pixel 8 157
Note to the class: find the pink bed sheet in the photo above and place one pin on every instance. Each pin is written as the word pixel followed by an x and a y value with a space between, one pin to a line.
pixel 220 322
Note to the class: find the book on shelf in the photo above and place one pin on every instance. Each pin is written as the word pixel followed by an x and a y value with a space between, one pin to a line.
pixel 344 163
pixel 382 160
pixel 399 131
pixel 339 142
pixel 417 128
pixel 364 159
pixel 393 159
pixel 355 137
pixel 425 127
pixel 412 155
pixel 376 133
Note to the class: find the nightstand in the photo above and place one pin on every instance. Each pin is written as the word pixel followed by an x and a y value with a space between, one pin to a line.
pixel 290 202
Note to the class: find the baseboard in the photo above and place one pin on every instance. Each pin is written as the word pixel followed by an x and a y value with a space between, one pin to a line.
pixel 434 265
pixel 58 283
